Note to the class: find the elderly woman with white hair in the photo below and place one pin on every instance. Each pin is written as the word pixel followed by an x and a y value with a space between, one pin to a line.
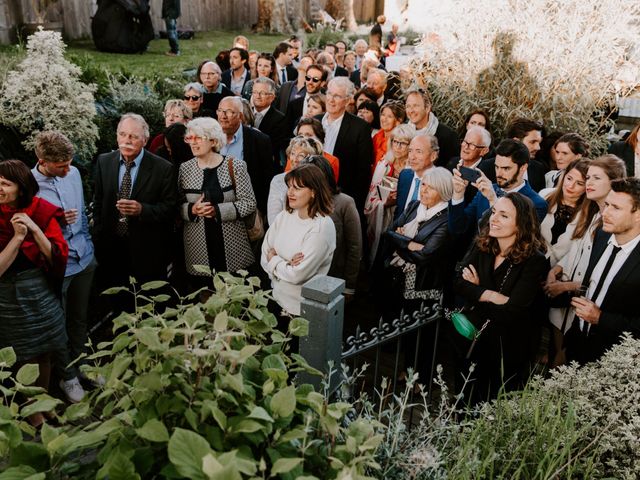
pixel 419 240
pixel 216 196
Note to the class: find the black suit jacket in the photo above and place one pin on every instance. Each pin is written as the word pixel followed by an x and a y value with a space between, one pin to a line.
pixel 624 151
pixel 341 72
pixel 354 149
pixel 150 233
pixel 355 78
pixel 257 153
pixel 294 112
pixel 619 309
pixel 284 95
pixel 274 124
pixel 449 144
pixel 535 172
pixel 226 79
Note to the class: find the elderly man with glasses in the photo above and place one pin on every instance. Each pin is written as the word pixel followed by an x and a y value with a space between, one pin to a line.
pixel 270 121
pixel 248 144
pixel 210 75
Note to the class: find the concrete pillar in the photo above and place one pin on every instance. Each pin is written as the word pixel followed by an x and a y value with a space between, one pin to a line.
pixel 323 307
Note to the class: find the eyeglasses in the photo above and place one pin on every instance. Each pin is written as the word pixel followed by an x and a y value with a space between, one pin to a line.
pixel 225 113
pixel 335 96
pixel 312 79
pixel 193 98
pixel 398 143
pixel 471 146
pixel 194 139
pixel 208 74
pixel 173 116
pixel 129 135
pixel 262 94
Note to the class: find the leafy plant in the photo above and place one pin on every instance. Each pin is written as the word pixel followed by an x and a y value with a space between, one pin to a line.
pixel 199 391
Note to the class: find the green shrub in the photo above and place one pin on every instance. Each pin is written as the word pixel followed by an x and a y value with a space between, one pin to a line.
pixel 199 391
pixel 565 63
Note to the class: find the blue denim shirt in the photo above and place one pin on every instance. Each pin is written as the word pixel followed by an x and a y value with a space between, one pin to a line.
pixel 235 147
pixel 66 192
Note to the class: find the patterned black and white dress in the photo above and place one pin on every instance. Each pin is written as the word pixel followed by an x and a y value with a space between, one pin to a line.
pixel 220 242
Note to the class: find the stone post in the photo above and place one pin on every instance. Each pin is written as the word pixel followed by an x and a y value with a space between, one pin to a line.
pixel 323 307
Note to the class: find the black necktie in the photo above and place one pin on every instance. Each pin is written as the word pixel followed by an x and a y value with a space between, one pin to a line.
pixel 603 276
pixel 122 227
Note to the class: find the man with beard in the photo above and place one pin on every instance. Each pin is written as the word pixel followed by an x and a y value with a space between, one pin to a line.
pixel 512 159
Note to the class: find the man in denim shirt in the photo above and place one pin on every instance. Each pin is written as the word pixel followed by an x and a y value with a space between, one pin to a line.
pixel 61 184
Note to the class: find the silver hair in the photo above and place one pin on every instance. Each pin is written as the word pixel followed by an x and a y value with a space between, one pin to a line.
pixel 486 136
pixel 235 101
pixel 266 81
pixel 360 41
pixel 247 117
pixel 441 180
pixel 137 118
pixel 198 87
pixel 216 67
pixel 405 131
pixel 433 141
pixel 348 85
pixel 180 105
pixel 377 71
pixel 209 128
pixel 312 145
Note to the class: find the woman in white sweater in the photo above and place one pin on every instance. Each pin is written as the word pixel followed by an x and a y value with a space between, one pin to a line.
pixel 300 243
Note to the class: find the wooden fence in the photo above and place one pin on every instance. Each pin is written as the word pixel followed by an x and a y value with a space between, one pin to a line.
pixel 199 14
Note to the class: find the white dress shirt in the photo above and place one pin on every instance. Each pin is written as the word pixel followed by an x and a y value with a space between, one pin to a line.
pixel 331 129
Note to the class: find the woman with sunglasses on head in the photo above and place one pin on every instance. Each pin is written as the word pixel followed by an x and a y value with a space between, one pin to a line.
pixel 33 258
pixel 566 276
pixel 301 240
pixel 216 197
pixel 381 201
pixel 299 148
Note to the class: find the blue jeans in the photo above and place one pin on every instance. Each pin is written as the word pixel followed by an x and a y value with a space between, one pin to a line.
pixel 172 34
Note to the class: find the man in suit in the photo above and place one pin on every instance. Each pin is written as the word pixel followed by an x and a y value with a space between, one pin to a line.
pixel 270 121
pixel 283 53
pixel 235 78
pixel 293 89
pixel 248 144
pixel 512 158
pixel 315 80
pixel 612 278
pixel 418 108
pixel 134 208
pixel 528 132
pixel 348 138
pixel 423 154
pixel 473 148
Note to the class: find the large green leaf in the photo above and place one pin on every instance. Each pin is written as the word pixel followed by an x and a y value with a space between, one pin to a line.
pixel 21 473
pixel 28 374
pixel 7 357
pixel 186 452
pixel 154 285
pixel 283 403
pixel 154 431
pixel 284 465
pixel 299 327
pixel 45 404
pixel 149 337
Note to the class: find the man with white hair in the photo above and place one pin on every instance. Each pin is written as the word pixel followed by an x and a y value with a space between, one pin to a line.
pixel 270 121
pixel 377 83
pixel 134 209
pixel 349 138
pixel 473 148
pixel 360 47
pixel 325 59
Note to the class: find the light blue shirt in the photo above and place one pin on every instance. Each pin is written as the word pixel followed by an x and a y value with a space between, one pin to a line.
pixel 66 193
pixel 234 148
pixel 134 169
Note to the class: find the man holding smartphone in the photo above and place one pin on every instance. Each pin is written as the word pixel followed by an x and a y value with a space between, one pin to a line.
pixel 512 158
pixel 473 148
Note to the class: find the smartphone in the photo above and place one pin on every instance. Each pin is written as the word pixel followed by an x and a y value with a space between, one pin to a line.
pixel 469 174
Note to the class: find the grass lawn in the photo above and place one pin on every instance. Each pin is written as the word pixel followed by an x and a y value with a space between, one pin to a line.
pixel 154 61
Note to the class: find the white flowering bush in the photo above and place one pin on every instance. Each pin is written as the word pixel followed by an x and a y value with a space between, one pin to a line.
pixel 44 93
pixel 565 63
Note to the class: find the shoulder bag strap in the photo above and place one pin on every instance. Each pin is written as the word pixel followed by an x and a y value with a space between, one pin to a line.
pixel 231 172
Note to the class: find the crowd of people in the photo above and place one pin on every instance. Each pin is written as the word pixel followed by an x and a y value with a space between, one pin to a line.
pixel 300 163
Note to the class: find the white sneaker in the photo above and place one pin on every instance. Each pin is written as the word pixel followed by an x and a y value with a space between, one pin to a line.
pixel 72 390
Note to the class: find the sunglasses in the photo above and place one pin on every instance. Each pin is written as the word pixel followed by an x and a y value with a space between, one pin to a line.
pixel 312 79
pixel 191 97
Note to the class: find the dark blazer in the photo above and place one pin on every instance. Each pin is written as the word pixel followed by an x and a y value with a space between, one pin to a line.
pixel 258 155
pixel 284 95
pixel 462 217
pixel 355 78
pixel 535 172
pixel 341 72
pixel 449 144
pixel 210 101
pixel 150 233
pixel 433 261
pixel 404 185
pixel 294 112
pixel 624 151
pixel 292 73
pixel 226 79
pixel 275 126
pixel 354 149
pixel 619 308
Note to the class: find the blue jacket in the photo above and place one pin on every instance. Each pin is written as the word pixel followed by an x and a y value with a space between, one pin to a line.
pixel 404 185
pixel 462 217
